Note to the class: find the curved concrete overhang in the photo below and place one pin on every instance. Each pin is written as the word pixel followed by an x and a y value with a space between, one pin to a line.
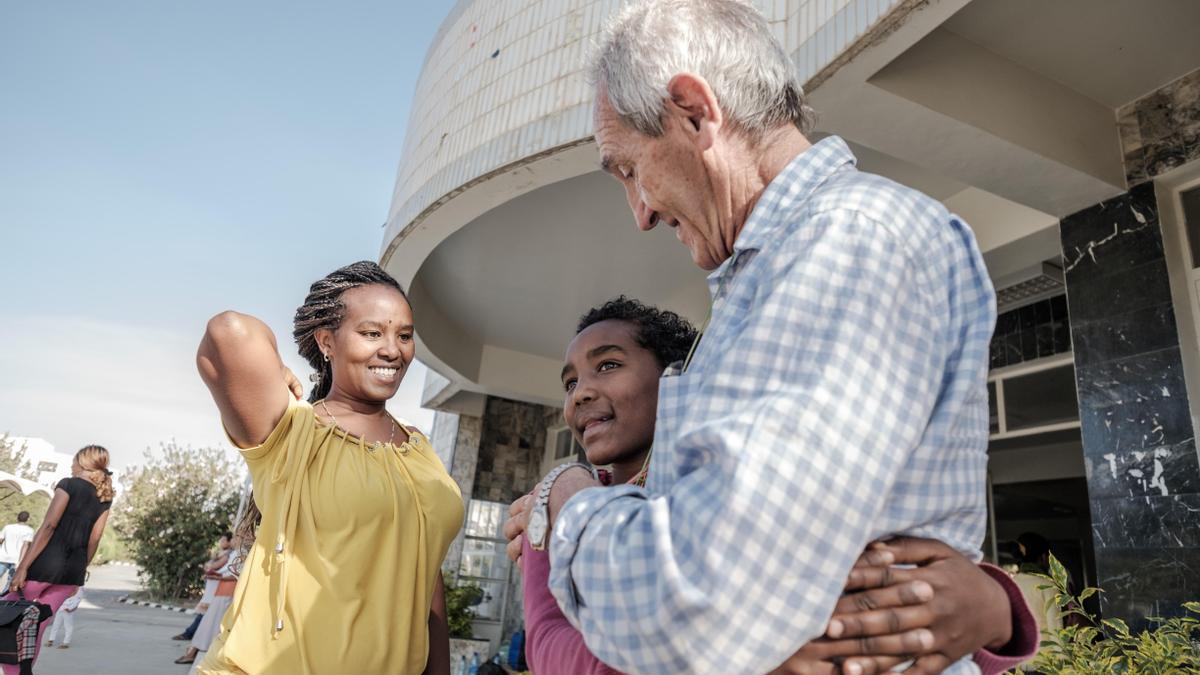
pixel 500 138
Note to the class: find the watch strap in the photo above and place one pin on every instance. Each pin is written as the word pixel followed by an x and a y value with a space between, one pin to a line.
pixel 543 496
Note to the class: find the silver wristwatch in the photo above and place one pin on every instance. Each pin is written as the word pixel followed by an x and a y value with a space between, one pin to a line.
pixel 539 520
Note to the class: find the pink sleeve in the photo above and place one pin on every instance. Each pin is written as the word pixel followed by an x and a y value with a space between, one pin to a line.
pixel 552 645
pixel 1025 637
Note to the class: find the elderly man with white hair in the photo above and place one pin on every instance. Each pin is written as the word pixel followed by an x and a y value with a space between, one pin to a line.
pixel 838 395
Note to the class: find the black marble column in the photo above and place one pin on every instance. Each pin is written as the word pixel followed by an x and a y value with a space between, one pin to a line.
pixel 1142 468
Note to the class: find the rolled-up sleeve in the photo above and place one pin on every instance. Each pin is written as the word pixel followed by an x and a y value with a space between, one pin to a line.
pixel 786 441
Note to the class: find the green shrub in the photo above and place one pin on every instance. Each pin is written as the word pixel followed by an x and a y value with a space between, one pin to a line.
pixel 174 509
pixel 112 548
pixel 461 599
pixel 1108 646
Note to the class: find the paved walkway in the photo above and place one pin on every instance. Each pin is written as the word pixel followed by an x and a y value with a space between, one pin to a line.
pixel 116 639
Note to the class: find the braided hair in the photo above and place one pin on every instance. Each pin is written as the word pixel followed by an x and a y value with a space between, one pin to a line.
pixel 666 334
pixel 323 308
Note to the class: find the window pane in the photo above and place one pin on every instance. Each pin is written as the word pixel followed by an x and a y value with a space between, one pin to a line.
pixel 1191 219
pixel 492 603
pixel 485 519
pixel 993 411
pixel 562 447
pixel 482 558
pixel 1041 398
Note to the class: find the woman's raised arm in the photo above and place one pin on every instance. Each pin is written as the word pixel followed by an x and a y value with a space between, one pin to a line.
pixel 240 363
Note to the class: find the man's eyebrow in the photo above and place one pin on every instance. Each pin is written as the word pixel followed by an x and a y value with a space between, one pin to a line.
pixel 567 368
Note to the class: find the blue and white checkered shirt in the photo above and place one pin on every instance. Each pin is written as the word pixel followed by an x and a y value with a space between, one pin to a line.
pixel 838 396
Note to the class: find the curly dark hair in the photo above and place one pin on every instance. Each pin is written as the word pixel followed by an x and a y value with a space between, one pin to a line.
pixel 323 308
pixel 666 334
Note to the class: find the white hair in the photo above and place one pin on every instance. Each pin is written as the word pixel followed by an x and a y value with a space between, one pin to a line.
pixel 727 42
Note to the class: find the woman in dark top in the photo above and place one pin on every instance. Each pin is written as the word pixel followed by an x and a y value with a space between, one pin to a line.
pixel 55 562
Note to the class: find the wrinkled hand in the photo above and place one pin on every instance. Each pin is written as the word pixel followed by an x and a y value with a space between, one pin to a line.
pixel 18 580
pixel 514 527
pixel 293 383
pixel 893 620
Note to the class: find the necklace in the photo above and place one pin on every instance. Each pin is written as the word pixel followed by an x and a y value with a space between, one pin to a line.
pixel 639 479
pixel 374 446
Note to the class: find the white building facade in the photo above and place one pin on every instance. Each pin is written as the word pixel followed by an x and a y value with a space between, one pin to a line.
pixel 50 465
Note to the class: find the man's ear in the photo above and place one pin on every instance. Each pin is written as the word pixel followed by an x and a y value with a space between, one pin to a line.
pixel 692 103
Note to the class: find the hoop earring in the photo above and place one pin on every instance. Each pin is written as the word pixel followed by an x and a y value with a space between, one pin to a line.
pixel 326 356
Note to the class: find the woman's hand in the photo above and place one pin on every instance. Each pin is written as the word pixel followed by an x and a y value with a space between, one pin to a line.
pixel 293 383
pixel 18 580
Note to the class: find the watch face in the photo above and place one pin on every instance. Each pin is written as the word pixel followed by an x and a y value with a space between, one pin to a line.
pixel 536 531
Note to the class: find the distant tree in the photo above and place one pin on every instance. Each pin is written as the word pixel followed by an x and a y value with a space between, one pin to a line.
pixel 12 502
pixel 175 507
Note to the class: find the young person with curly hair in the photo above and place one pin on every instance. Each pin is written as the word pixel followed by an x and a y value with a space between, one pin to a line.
pixel 354 510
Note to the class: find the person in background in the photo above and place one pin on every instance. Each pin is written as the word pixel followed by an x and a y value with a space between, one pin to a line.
pixel 12 540
pixel 212 577
pixel 226 577
pixel 64 618
pixel 55 562
pixel 1033 557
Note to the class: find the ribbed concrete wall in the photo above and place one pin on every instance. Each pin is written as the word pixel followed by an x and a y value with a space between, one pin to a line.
pixel 504 81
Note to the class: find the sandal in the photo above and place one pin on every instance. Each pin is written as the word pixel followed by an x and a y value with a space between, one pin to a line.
pixel 184 660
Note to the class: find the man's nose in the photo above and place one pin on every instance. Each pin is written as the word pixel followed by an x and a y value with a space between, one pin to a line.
pixel 643 215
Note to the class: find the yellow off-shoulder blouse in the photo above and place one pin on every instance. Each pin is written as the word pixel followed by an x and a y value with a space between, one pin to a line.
pixel 341 576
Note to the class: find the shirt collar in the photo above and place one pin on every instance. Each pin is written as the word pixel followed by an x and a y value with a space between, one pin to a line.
pixel 794 184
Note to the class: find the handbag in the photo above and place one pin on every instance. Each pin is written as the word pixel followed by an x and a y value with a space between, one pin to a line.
pixel 12 614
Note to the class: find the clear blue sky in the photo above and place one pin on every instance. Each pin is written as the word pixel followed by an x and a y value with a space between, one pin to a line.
pixel 162 161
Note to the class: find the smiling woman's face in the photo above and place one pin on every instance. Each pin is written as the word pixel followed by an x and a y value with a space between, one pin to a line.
pixel 371 349
pixel 611 385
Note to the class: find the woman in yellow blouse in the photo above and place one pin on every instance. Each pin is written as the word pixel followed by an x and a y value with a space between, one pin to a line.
pixel 356 509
